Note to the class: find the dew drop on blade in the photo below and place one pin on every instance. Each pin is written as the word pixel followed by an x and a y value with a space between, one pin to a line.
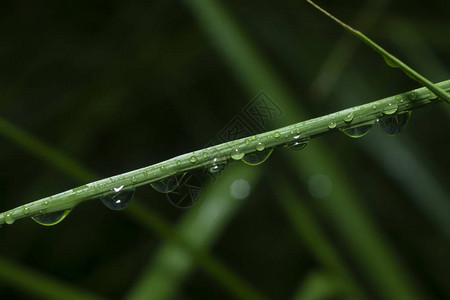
pixel 9 219
pixel 237 154
pixel 357 132
pixel 53 218
pixel 168 184
pixel 118 199
pixel 257 158
pixel 393 125
pixel 216 166
pixel 297 145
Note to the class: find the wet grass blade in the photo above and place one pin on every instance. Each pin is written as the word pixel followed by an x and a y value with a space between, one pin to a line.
pixel 390 59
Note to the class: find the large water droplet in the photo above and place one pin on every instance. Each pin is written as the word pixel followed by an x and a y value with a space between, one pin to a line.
pixel 332 125
pixel 393 125
pixel 349 117
pixel 53 218
pixel 119 199
pixel 9 219
pixel 357 132
pixel 260 146
pixel 391 108
pixel 168 184
pixel 257 158
pixel 237 154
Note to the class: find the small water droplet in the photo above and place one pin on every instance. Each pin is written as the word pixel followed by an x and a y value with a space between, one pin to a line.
pixel 276 135
pixel 247 141
pixel 357 132
pixel 292 132
pixel 216 166
pixel 237 154
pixel 26 211
pixel 348 118
pixel 260 146
pixel 193 159
pixel 119 199
pixel 46 202
pixel 178 162
pixel 390 62
pixel 374 107
pixel 412 96
pixel 205 154
pixel 53 218
pixel 133 179
pixel 332 125
pixel 9 219
pixel 168 184
pixel 162 168
pixel 393 125
pixel 391 108
pixel 297 145
pixel 257 158
pixel 253 138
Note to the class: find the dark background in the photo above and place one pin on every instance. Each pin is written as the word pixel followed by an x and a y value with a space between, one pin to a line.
pixel 122 85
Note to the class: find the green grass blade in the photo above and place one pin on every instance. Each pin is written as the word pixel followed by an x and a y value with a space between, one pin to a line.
pixel 37 284
pixel 308 228
pixel 362 115
pixel 390 59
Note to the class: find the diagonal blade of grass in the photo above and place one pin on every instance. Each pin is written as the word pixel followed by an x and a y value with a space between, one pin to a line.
pixel 339 56
pixel 390 59
pixel 304 222
pixel 38 284
pixel 136 210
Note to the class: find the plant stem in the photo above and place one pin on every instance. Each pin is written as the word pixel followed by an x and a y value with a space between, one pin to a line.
pixel 302 131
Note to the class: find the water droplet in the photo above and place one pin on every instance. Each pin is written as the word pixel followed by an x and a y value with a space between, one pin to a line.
pixel 390 62
pixel 348 118
pixel 393 125
pixel 260 146
pixel 247 141
pixel 205 154
pixel 168 184
pixel 237 154
pixel 390 108
pixel 26 211
pixel 253 138
pixel 276 135
pixel 53 218
pixel 162 168
pixel 357 132
pixel 297 145
pixel 9 219
pixel 178 162
pixel 46 202
pixel 133 179
pixel 216 166
pixel 332 125
pixel 292 132
pixel 193 159
pixel 257 158
pixel 374 107
pixel 119 199
pixel 412 96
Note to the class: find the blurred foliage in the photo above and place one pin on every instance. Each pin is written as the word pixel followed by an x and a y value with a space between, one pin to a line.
pixel 121 85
